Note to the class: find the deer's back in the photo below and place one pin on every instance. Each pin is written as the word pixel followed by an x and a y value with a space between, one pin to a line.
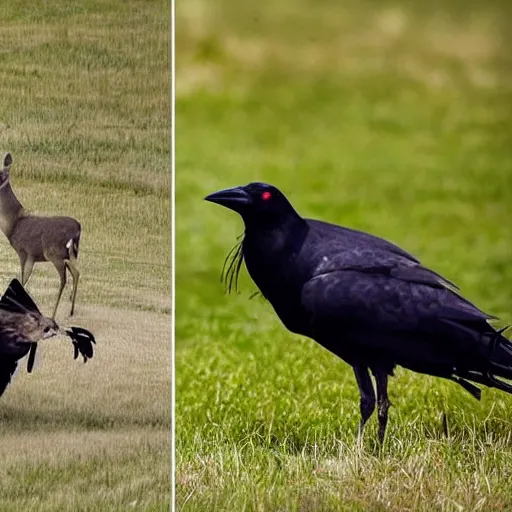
pixel 41 237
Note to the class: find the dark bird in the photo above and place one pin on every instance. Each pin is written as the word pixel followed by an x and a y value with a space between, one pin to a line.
pixel 363 298
pixel 22 326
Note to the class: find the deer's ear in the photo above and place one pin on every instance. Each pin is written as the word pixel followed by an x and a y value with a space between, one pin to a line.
pixel 7 160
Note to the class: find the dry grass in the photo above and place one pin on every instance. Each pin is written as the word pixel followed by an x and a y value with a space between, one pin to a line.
pixel 131 365
pixel 85 113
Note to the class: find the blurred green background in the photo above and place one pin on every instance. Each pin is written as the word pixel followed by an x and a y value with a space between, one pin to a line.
pixel 391 117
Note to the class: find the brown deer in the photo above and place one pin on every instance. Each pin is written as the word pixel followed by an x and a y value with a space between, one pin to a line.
pixel 37 238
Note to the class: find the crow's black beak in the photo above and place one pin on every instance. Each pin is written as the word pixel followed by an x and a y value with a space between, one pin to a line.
pixel 232 198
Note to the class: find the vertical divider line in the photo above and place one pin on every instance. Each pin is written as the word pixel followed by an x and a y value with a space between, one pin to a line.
pixel 173 260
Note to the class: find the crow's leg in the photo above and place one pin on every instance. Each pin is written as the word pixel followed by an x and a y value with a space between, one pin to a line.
pixel 367 404
pixel 383 403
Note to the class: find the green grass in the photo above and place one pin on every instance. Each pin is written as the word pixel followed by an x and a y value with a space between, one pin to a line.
pixel 395 118
pixel 85 112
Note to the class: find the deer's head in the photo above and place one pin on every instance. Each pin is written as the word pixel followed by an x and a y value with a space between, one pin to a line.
pixel 4 173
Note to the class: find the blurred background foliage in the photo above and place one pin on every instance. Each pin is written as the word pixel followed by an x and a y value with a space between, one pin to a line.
pixel 391 117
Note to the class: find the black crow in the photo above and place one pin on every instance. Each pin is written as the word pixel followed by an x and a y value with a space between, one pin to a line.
pixel 22 325
pixel 366 300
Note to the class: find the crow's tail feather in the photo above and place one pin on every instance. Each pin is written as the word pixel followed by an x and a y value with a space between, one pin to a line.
pixel 500 360
pixel 499 364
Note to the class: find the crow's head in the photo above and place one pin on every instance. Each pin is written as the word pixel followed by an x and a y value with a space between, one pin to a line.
pixel 263 208
pixel 256 201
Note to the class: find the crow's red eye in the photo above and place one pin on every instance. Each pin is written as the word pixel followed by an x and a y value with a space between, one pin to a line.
pixel 266 196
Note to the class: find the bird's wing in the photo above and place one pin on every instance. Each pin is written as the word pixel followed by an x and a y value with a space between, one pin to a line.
pixel 82 340
pixel 355 238
pixel 17 300
pixel 349 299
pixel 378 262
pixel 7 369
pixel 347 249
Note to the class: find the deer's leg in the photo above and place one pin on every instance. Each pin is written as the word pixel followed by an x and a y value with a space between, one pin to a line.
pixel 23 258
pixel 73 269
pixel 60 265
pixel 26 269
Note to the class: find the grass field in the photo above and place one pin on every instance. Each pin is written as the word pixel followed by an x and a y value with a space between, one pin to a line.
pixel 391 117
pixel 85 112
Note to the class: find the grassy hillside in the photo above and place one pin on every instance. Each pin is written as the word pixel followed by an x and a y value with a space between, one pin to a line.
pixel 395 118
pixel 85 112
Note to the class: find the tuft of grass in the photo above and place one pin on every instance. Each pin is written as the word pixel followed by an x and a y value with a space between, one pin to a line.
pixel 393 118
pixel 85 112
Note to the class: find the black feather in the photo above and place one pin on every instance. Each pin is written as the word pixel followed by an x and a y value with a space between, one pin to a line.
pixel 80 331
pixel 82 342
pixel 17 300
pixel 474 390
pixel 31 357
pixel 7 369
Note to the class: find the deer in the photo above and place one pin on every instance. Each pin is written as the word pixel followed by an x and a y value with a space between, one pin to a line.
pixel 38 238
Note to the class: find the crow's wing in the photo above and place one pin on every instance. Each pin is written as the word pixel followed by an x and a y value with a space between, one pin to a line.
pixel 346 249
pixel 7 369
pixel 380 262
pixel 360 239
pixel 343 300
